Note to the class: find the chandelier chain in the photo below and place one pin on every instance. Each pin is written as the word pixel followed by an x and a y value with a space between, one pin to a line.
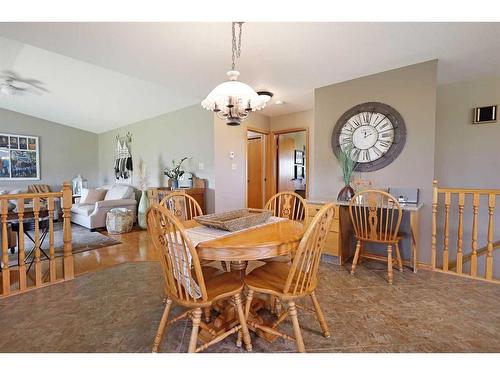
pixel 236 47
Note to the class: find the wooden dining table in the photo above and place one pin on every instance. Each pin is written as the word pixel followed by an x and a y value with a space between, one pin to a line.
pixel 253 244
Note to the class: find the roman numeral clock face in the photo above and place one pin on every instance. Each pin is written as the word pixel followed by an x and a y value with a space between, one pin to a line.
pixel 373 132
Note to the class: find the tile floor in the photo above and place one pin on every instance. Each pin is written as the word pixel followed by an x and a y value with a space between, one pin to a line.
pixel 117 309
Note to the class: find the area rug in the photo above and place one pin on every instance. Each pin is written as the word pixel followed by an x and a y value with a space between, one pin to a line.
pixel 82 240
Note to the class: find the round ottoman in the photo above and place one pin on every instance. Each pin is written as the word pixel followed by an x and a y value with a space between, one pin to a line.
pixel 119 220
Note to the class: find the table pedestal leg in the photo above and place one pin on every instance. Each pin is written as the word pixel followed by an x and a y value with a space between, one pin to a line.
pixel 228 317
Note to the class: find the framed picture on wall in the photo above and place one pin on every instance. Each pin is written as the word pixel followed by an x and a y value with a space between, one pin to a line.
pixel 19 157
pixel 299 172
pixel 299 157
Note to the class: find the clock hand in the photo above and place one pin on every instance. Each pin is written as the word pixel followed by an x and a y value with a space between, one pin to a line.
pixel 366 136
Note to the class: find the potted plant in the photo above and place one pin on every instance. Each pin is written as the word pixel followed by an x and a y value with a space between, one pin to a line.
pixel 348 166
pixel 174 173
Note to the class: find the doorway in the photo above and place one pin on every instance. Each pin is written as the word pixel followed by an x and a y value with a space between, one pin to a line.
pixel 256 168
pixel 292 161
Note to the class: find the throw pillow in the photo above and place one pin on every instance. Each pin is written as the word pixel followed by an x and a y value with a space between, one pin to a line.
pixel 118 192
pixel 91 196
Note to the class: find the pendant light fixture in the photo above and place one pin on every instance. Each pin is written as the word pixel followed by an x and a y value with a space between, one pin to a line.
pixel 233 100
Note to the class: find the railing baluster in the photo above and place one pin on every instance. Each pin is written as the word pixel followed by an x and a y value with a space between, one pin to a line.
pixel 434 223
pixel 461 203
pixel 446 242
pixel 20 246
pixel 489 255
pixel 68 266
pixel 38 264
pixel 475 211
pixel 5 249
pixel 52 261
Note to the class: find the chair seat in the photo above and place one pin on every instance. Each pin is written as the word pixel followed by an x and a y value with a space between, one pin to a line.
pixel 270 278
pixel 223 285
pixel 398 238
pixel 210 272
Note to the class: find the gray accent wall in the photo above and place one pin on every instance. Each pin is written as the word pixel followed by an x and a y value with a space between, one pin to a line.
pixel 64 151
pixel 410 90
pixel 185 132
pixel 467 155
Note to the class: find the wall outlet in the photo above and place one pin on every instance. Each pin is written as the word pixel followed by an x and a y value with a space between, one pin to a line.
pixel 234 166
pixel 231 156
pixel 201 166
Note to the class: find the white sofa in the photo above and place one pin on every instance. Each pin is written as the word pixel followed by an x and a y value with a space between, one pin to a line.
pixel 93 215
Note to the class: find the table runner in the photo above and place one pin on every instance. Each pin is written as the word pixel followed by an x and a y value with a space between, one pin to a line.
pixel 203 233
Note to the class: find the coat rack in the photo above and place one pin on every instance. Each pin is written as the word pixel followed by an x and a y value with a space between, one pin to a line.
pixel 123 165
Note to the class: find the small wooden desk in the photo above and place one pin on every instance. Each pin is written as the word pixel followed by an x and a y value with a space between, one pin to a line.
pixel 340 245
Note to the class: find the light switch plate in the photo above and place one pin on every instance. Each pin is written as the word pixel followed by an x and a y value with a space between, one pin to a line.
pixel 201 166
pixel 234 166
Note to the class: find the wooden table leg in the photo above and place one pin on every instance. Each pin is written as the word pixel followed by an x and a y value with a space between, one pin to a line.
pixel 414 221
pixel 228 317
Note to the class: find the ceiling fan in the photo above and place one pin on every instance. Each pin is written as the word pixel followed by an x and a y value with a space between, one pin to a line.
pixel 12 84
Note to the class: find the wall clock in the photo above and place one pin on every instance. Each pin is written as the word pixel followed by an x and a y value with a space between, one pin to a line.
pixel 375 133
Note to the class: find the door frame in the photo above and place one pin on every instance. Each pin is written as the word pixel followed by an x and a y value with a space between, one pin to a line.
pixel 266 145
pixel 274 157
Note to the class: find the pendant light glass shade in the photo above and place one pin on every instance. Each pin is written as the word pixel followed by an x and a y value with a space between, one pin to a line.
pixel 233 100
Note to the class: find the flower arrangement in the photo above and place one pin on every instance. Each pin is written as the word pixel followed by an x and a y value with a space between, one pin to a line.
pixel 143 175
pixel 348 166
pixel 175 172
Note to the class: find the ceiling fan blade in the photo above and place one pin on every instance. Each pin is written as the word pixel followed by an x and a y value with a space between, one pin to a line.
pixel 19 84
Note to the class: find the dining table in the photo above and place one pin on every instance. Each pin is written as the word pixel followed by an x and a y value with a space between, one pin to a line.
pixel 238 249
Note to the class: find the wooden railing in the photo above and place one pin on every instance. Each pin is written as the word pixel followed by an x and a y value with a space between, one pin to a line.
pixel 34 209
pixel 462 259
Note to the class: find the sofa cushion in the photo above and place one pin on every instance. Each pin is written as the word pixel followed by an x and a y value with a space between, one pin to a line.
pixel 83 209
pixel 119 192
pixel 91 196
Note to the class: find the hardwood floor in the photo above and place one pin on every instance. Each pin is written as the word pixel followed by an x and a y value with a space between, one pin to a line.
pixel 117 309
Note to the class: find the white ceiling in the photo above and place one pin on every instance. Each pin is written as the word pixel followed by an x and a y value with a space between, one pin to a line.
pixel 105 75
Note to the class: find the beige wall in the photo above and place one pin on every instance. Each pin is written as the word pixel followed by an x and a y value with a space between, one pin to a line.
pixel 467 155
pixel 186 132
pixel 64 151
pixel 304 119
pixel 231 183
pixel 412 91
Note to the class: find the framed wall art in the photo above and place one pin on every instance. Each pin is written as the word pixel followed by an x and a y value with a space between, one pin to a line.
pixel 19 157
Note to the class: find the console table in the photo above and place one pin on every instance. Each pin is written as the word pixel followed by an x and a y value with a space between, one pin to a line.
pixel 339 238
pixel 156 194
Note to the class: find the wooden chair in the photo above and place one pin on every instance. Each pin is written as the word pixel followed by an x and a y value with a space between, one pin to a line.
pixel 291 282
pixel 185 208
pixel 182 205
pixel 185 282
pixel 288 204
pixel 376 217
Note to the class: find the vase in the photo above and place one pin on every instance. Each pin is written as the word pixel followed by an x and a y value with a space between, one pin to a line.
pixel 174 184
pixel 143 207
pixel 346 193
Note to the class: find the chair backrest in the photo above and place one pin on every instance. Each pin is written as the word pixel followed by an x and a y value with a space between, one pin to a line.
pixel 183 275
pixel 288 204
pixel 376 215
pixel 302 277
pixel 38 188
pixel 182 205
